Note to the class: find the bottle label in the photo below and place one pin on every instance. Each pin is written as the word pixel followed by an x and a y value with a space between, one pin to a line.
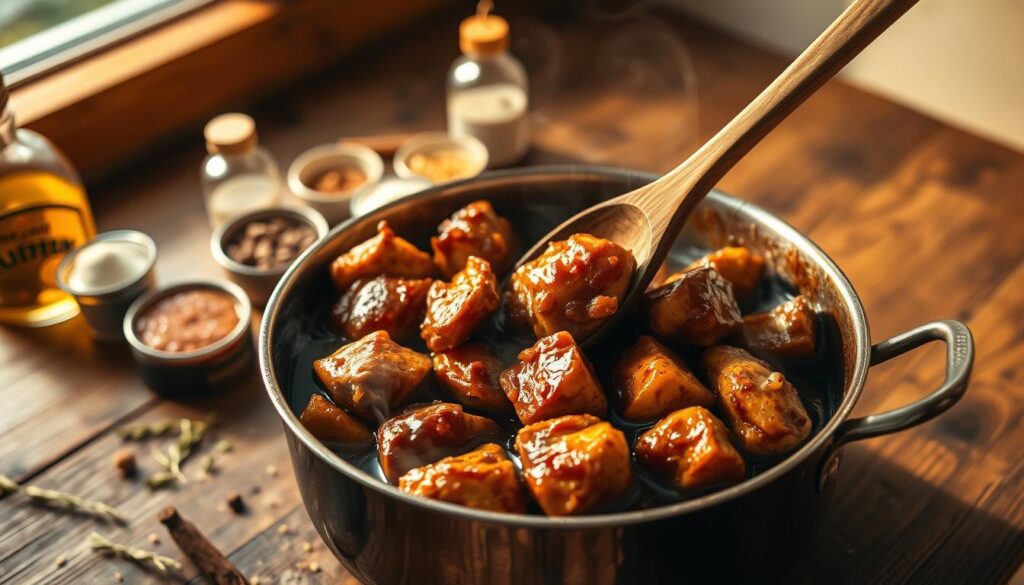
pixel 33 240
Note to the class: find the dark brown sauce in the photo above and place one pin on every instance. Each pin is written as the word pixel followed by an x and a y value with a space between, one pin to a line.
pixel 818 382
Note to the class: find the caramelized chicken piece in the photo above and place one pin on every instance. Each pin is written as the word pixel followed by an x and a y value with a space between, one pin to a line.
pixel 737 264
pixel 385 254
pixel 695 309
pixel 454 310
pixel 474 230
pixel 787 331
pixel 484 478
pixel 553 378
pixel 652 381
pixel 574 464
pixel 691 448
pixel 331 424
pixel 470 374
pixel 424 434
pixel 573 286
pixel 383 303
pixel 372 376
pixel 761 406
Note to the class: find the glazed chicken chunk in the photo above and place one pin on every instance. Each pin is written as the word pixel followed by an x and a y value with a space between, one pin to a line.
pixel 553 378
pixel 695 309
pixel 574 464
pixel 787 331
pixel 382 303
pixel 331 424
pixel 484 478
pixel 737 264
pixel 470 374
pixel 424 434
pixel 761 406
pixel 384 253
pixel 474 230
pixel 454 310
pixel 573 286
pixel 691 449
pixel 372 376
pixel 652 381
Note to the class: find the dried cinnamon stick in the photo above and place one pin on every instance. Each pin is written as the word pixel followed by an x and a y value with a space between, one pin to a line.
pixel 201 551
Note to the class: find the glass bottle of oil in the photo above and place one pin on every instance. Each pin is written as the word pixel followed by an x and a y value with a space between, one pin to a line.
pixel 44 213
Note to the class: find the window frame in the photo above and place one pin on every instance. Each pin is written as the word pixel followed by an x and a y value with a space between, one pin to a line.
pixel 115 106
pixel 88 34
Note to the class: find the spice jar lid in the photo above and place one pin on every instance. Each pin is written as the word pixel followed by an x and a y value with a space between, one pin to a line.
pixel 483 33
pixel 230 134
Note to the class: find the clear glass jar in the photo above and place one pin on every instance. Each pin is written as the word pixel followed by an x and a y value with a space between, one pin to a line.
pixel 44 213
pixel 239 175
pixel 487 91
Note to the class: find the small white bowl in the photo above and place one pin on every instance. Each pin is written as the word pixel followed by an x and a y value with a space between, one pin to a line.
pixel 389 189
pixel 432 141
pixel 304 169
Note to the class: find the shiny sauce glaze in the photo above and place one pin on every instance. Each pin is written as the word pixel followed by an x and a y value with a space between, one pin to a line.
pixel 817 381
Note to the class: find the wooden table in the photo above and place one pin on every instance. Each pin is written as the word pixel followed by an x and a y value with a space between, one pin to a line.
pixel 924 218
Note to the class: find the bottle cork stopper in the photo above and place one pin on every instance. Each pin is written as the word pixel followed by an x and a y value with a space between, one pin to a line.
pixel 483 33
pixel 230 134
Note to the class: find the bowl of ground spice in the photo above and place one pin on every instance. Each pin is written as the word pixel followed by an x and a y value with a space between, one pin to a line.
pixel 256 248
pixel 326 177
pixel 191 338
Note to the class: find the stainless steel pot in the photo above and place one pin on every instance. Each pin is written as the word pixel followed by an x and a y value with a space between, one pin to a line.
pixel 382 535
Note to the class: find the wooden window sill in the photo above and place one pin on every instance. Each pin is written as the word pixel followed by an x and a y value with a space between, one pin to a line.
pixel 104 110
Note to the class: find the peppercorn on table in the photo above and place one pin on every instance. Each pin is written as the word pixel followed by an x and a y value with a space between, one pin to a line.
pixel 924 219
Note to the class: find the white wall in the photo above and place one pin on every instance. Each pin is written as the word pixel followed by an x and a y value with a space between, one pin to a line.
pixel 961 61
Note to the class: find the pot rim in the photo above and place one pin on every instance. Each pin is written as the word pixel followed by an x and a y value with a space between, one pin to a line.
pixel 861 341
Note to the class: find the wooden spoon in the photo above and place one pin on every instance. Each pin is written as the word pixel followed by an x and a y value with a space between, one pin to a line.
pixel 646 221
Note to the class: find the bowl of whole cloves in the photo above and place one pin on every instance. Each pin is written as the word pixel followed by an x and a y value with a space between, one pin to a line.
pixel 256 248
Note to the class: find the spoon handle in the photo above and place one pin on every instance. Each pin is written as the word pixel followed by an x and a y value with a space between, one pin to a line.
pixel 669 200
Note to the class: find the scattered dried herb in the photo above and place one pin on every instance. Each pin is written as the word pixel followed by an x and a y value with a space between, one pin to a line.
pixel 208 463
pixel 139 431
pixel 7 486
pixel 190 434
pixel 73 502
pixel 100 543
pixel 63 500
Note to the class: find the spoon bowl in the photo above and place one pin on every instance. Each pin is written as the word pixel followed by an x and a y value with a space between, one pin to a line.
pixel 647 220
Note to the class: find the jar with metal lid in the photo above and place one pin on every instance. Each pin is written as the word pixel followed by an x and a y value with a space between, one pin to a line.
pixel 239 175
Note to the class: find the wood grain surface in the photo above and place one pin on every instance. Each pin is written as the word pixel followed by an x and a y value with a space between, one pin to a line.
pixel 925 220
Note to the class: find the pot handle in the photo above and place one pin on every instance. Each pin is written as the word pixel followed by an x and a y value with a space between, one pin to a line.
pixel 959 360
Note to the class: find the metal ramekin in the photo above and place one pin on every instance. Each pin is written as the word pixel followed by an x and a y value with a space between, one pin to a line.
pixel 258 283
pixel 205 370
pixel 104 309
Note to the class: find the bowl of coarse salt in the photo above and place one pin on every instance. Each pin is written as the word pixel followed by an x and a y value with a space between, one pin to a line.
pixel 105 275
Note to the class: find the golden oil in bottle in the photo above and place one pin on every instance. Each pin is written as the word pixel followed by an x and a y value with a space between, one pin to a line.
pixel 44 213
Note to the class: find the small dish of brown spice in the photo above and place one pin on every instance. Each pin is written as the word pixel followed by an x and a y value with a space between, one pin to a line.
pixel 256 248
pixel 326 177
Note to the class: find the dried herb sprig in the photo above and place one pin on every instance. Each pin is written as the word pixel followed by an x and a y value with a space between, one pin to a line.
pixel 73 502
pixel 101 543
pixel 8 486
pixel 139 431
pixel 191 433
pixel 209 461
pixel 63 500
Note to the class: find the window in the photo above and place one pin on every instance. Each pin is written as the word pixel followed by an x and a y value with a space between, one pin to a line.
pixel 37 35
